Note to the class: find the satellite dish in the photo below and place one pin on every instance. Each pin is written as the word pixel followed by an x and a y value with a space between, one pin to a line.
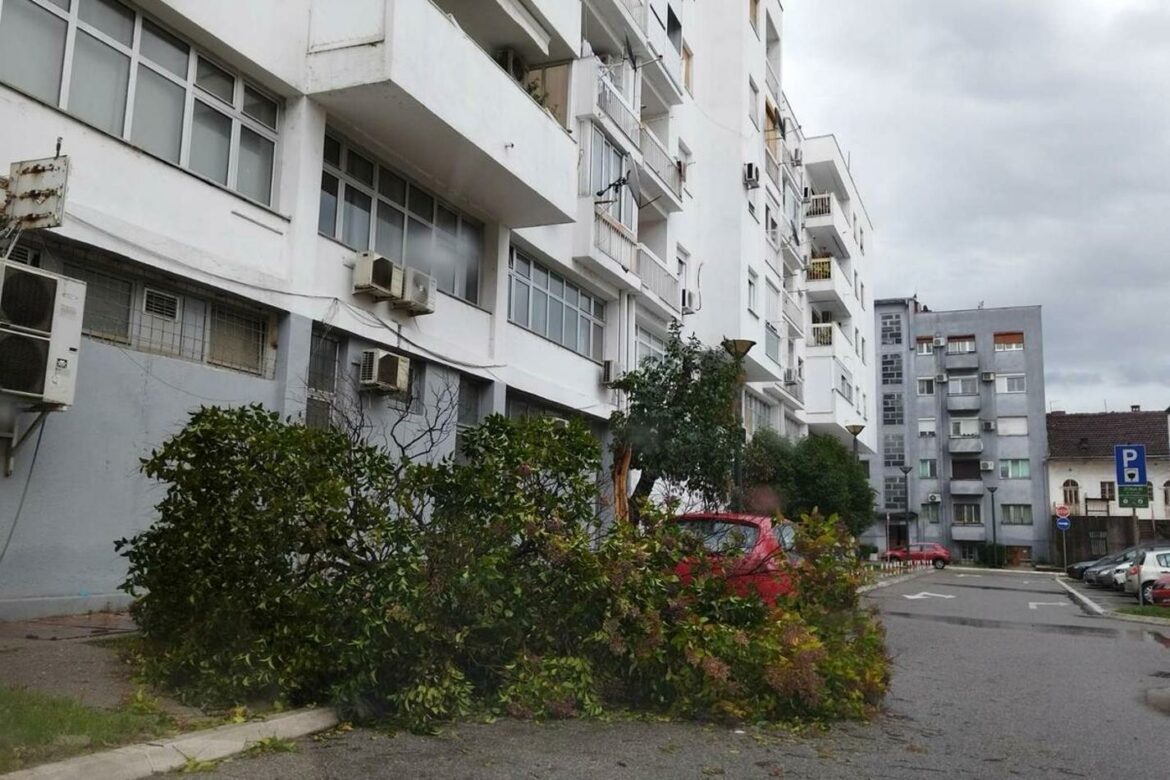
pixel 634 183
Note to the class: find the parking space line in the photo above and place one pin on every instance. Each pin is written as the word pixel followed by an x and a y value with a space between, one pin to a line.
pixel 1084 600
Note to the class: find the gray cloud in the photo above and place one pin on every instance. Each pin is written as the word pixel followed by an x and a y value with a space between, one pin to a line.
pixel 1014 153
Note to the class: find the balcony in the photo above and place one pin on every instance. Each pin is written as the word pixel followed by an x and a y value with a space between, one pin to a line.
pixel 663 71
pixel 793 314
pixel 828 284
pixel 966 487
pixel 962 361
pixel 665 180
pixel 963 403
pixel 827 222
pixel 612 104
pixel 965 445
pixel 614 241
pixel 393 89
pixel 659 282
pixel 968 532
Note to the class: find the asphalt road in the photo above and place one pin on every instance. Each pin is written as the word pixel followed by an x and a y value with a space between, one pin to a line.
pixel 995 675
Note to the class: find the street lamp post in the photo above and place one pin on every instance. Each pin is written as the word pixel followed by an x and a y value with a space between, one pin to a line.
pixel 906 504
pixel 855 429
pixel 738 349
pixel 994 537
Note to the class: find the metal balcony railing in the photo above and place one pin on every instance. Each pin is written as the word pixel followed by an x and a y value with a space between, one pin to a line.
pixel 614 241
pixel 659 160
pixel 635 8
pixel 820 269
pixel 610 101
pixel 822 335
pixel 656 278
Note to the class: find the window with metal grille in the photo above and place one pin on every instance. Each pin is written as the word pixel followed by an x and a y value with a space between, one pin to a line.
pixel 893 449
pixel 891 326
pixel 160 304
pixel 321 381
pixel 892 411
pixel 895 492
pixel 892 368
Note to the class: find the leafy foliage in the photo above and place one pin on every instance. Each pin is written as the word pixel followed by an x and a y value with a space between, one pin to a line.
pixel 680 422
pixel 299 565
pixel 816 473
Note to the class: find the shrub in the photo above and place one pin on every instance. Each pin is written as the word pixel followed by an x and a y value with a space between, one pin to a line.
pixel 994 555
pixel 550 687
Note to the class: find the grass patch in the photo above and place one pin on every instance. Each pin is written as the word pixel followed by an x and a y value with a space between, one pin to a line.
pixel 1147 611
pixel 36 727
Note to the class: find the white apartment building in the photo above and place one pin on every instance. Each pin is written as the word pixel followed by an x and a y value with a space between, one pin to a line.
pixel 552 181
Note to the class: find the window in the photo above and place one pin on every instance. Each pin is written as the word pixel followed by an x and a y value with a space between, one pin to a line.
pixel 608 164
pixel 891 326
pixel 648 345
pixel 928 468
pixel 1166 493
pixel 963 468
pixel 688 65
pixel 753 292
pixel 964 428
pixel 957 345
pixel 1015 468
pixel 1072 493
pixel 1109 491
pixel 892 413
pixel 895 492
pixel 893 450
pixel 553 307
pixel 471 393
pixel 925 346
pixel 1017 514
pixel 1012 426
pixel 1009 342
pixel 185 109
pixel 963 385
pixel 757 414
pixel 754 14
pixel 929 513
pixel 367 206
pixel 754 103
pixel 1010 383
pixel 322 379
pixel 927 427
pixel 926 385
pixel 892 368
pixel 968 514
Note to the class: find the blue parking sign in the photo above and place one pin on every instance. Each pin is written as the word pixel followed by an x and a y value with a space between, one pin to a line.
pixel 1130 460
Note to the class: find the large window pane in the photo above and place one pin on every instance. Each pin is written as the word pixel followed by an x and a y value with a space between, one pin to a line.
pixel 111 17
pixel 216 81
pixel 254 178
pixel 471 249
pixel 32 49
pixel 355 224
pixel 164 49
pixel 360 168
pixel 97 88
pixel 327 215
pixel 333 151
pixel 158 115
pixel 422 204
pixel 570 339
pixel 556 320
pixel 392 186
pixel 539 310
pixel 211 134
pixel 388 232
pixel 520 302
pixel 418 246
pixel 260 108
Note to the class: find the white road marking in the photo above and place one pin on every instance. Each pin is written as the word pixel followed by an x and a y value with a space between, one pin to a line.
pixel 925 595
pixel 968 575
pixel 1034 604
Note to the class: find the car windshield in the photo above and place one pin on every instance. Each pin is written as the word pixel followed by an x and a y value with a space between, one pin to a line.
pixel 722 536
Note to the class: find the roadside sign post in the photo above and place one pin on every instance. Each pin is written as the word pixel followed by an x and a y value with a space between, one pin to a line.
pixel 1063 524
pixel 1132 491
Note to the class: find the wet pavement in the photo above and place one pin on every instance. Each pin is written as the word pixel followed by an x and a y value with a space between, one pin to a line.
pixel 995 675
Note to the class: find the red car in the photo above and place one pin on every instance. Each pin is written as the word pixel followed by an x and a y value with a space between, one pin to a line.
pixel 762 550
pixel 930 551
pixel 1160 595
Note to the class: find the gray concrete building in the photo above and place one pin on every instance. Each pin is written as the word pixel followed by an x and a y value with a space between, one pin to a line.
pixel 962 439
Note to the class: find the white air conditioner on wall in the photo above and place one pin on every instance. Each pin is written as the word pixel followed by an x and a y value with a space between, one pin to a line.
pixel 378 277
pixel 40 334
pixel 420 292
pixel 987 376
pixel 987 465
pixel 690 302
pixel 934 498
pixel 791 376
pixel 989 425
pixel 940 379
pixel 384 371
pixel 939 341
pixel 751 175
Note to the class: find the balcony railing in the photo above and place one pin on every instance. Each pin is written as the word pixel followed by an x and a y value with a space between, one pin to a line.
pixel 656 278
pixel 635 8
pixel 771 342
pixel 820 269
pixel 609 100
pixel 614 241
pixel 773 168
pixel 822 335
pixel 773 81
pixel 820 206
pixel 659 160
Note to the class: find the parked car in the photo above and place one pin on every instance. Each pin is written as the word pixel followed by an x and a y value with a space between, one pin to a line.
pixel 1097 573
pixel 1077 570
pixel 1145 570
pixel 930 551
pixel 1117 577
pixel 760 551
pixel 1160 593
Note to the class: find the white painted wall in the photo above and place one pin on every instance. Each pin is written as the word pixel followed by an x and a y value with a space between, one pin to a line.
pixel 1090 473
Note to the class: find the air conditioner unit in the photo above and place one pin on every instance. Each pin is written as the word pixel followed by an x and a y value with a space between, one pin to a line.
pixel 798 158
pixel 690 302
pixel 559 421
pixel 987 376
pixel 940 379
pixel 987 465
pixel 512 62
pixel 607 376
pixel 989 425
pixel 384 371
pixel 420 292
pixel 751 175
pixel 939 341
pixel 40 334
pixel 934 498
pixel 378 277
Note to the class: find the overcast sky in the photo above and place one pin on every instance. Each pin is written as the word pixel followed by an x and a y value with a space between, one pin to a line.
pixel 1011 152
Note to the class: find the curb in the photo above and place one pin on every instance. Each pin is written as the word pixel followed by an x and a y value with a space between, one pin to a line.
pixel 1149 621
pixel 1084 601
pixel 894 580
pixel 143 760
pixel 1088 603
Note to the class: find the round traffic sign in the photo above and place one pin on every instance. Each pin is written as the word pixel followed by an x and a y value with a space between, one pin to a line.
pixel 1063 511
pixel 1063 523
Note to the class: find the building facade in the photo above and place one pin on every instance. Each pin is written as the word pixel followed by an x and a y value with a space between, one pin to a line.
pixel 556 182
pixel 962 429
pixel 1082 476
